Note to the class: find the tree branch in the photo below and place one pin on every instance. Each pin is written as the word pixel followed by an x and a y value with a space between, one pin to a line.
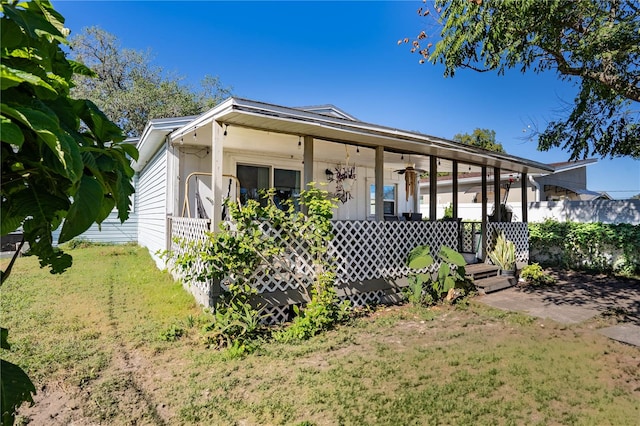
pixel 5 274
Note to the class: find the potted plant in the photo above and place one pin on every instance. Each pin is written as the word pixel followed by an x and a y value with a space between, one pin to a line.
pixel 503 254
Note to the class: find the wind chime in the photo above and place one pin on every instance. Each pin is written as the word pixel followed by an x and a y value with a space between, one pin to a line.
pixel 410 179
pixel 345 177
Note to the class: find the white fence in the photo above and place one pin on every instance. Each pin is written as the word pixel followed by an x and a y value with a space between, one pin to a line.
pixel 605 211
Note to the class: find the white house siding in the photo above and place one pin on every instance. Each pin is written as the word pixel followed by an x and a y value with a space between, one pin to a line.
pixel 112 231
pixel 152 210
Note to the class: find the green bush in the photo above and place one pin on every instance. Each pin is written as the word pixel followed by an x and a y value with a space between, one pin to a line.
pixel 535 276
pixel 595 246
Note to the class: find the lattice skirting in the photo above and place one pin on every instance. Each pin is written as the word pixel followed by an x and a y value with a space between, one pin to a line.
pixel 273 315
pixel 361 251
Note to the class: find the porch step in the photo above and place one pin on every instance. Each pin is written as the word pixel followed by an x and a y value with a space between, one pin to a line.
pixel 495 283
pixel 479 271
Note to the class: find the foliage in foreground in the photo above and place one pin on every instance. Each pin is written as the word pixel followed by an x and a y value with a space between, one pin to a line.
pixel 591 42
pixel 594 246
pixel 63 160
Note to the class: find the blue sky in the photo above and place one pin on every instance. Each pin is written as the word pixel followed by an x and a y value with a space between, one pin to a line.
pixel 345 54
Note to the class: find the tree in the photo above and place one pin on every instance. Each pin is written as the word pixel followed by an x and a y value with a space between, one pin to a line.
pixel 593 43
pixel 129 89
pixel 483 138
pixel 63 160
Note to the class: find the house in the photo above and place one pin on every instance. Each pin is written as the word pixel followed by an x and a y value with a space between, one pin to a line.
pixel 566 181
pixel 187 166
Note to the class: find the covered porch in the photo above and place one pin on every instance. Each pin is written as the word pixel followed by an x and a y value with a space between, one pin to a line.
pixel 288 148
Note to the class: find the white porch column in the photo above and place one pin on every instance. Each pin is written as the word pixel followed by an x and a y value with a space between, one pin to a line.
pixel 433 188
pixel 524 181
pixel 379 182
pixel 454 195
pixel 307 159
pixel 483 227
pixel 217 139
pixel 416 195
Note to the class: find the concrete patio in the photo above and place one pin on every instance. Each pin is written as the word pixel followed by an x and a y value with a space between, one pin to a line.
pixel 576 298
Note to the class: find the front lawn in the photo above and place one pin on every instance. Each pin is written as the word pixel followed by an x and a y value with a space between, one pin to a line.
pixel 115 341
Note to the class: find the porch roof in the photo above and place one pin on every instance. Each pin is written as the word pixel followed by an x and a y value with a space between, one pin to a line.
pixel 293 121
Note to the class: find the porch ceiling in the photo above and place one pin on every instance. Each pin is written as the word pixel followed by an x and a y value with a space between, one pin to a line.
pixel 273 118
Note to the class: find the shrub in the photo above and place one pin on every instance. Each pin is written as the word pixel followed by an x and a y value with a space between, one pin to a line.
pixel 588 246
pixel 535 276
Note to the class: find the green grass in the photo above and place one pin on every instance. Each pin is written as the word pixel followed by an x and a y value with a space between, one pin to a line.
pixel 106 331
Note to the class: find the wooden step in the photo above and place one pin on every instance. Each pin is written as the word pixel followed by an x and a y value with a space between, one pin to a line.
pixel 481 270
pixel 491 284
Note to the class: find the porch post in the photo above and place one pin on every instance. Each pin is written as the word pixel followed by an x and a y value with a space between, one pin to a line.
pixel 524 178
pixel 454 200
pixel 483 226
pixel 307 161
pixel 433 188
pixel 379 182
pixel 416 195
pixel 216 174
pixel 497 201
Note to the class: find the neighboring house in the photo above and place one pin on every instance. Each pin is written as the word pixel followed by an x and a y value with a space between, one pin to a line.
pixel 566 181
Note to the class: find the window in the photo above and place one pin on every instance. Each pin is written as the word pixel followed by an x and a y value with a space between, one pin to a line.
pixel 254 180
pixel 389 200
pixel 287 186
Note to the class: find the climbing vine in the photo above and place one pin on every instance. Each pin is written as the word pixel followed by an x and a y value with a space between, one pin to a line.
pixel 244 244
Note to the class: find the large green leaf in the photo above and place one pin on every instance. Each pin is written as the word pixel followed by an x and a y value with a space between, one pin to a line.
pixel 11 77
pixel 36 203
pixel 103 129
pixel 34 24
pixel 16 388
pixel 420 257
pixel 129 149
pixel 10 133
pixel 449 255
pixel 81 69
pixel 107 207
pixel 86 206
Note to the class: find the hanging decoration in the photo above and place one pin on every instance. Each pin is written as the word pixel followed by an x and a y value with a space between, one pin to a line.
pixel 410 180
pixel 345 177
pixel 410 177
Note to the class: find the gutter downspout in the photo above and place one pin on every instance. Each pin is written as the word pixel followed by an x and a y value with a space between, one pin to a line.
pixel 536 185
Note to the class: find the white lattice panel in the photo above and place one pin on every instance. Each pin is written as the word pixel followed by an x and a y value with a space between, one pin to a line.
pixel 192 232
pixel 272 315
pixel 470 236
pixel 360 251
pixel 291 269
pixel 518 232
pixel 366 250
